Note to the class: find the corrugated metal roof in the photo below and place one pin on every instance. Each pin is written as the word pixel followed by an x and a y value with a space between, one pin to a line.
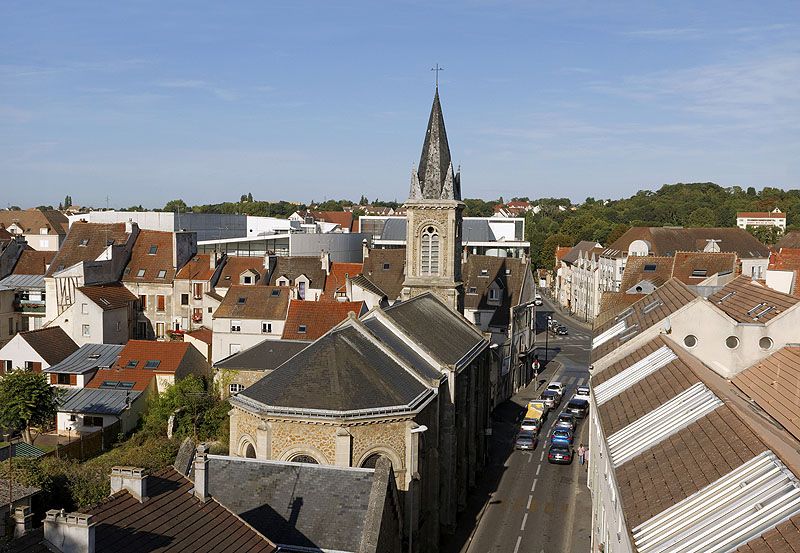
pixel 87 358
pixel 679 412
pixel 633 374
pixel 97 401
pixel 23 281
pixel 731 511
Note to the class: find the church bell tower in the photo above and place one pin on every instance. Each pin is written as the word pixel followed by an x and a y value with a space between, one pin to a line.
pixel 434 213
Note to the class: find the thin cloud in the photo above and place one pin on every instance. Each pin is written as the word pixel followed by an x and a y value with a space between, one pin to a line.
pixel 194 84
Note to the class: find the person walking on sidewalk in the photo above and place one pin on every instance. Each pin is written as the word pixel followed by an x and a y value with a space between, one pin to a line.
pixel 581 453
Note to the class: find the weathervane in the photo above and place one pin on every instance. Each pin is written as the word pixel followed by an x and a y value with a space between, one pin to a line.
pixel 437 69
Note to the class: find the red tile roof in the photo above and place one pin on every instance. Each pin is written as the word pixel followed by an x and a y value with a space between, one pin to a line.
pixel 236 265
pixel 341 218
pixel 269 303
pixel 151 254
pixel 318 317
pixel 169 354
pixel 33 262
pixel 336 280
pixel 109 296
pixel 203 334
pixel 141 379
pixel 760 215
pixel 702 264
pixel 561 251
pixel 85 242
pixel 747 301
pixel 198 268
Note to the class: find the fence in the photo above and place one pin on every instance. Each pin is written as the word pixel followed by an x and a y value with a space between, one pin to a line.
pixel 89 445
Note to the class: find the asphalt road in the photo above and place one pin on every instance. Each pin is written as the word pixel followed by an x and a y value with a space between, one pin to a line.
pixel 524 504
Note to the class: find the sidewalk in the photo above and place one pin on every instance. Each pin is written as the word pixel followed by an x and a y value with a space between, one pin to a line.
pixel 552 304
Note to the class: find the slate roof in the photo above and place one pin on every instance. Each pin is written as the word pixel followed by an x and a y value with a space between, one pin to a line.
pixel 790 240
pixel 260 302
pixel 476 230
pixel 342 371
pixel 97 401
pixel 300 505
pixel 665 241
pixel 402 349
pixel 96 236
pixel 31 220
pixel 197 268
pixel 368 285
pixel 442 332
pixel 387 278
pixel 87 358
pixel 316 317
pixel 772 384
pixel 337 279
pixel 746 301
pixel 508 272
pixel 264 356
pixel 394 229
pixel 581 247
pixel 52 343
pixel 18 491
pixel 109 296
pixel 236 265
pixel 293 266
pixel 151 263
pixel 33 262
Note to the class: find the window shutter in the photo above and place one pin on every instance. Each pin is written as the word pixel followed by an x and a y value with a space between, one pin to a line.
pixel 37 367
pixel 73 379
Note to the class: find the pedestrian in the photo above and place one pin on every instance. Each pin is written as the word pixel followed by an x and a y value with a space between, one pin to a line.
pixel 581 453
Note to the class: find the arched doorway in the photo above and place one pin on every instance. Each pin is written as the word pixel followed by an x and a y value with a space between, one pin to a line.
pixel 250 451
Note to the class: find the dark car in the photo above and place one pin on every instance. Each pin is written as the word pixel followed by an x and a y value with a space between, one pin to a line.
pixel 562 330
pixel 525 440
pixel 551 398
pixel 577 407
pixel 559 454
pixel 566 419
pixel 561 436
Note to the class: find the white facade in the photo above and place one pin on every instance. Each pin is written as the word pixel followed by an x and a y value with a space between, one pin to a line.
pixel 18 354
pixel 772 218
pixel 585 286
pixel 87 323
pixel 234 335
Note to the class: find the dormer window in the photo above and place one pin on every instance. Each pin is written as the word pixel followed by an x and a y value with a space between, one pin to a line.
pixel 153 250
pixel 247 279
pixel 484 272
pixel 699 273
pixel 132 364
pixel 494 294
pixel 241 300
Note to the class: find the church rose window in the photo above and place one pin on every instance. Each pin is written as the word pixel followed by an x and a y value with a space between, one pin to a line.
pixel 430 252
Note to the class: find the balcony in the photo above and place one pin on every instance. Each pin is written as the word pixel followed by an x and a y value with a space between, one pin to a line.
pixel 28 306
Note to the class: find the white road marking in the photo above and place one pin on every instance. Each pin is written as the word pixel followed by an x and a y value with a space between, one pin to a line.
pixel 528 506
pixel 516 547
pixel 524 520
pixel 533 487
pixel 541 457
pixel 538 468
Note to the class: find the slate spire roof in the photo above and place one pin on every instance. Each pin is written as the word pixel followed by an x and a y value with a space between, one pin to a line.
pixel 435 179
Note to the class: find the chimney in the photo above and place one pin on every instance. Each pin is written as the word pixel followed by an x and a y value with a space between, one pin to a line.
pixel 22 521
pixel 212 260
pixel 325 259
pixel 364 248
pixel 129 226
pixel 70 532
pixel 201 473
pixel 132 479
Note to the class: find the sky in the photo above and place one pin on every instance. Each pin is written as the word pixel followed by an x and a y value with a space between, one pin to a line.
pixel 142 102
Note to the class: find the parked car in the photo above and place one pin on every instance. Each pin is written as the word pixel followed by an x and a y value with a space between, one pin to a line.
pixel 561 436
pixel 556 386
pixel 566 420
pixel 559 454
pixel 562 330
pixel 531 425
pixel 577 407
pixel 581 392
pixel 551 398
pixel 526 440
pixel 552 324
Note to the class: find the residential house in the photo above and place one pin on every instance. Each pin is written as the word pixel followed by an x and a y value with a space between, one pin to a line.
pixel 91 254
pixel 305 276
pixel 417 372
pixel 247 316
pixel 336 280
pixel 241 271
pixel 565 291
pixel 164 511
pixel 783 271
pixel 36 350
pixel 586 293
pixel 241 370
pixel 78 368
pixel 385 271
pixel 774 218
pixel 27 283
pixel 42 229
pixel 309 320
pixel 330 221
pixel 150 275
pixel 789 240
pixel 169 361
pixel 195 283
pixel 200 338
pixel 101 314
pixel 513 209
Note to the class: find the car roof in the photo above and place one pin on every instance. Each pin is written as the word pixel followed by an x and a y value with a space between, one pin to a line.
pixel 561 430
pixel 566 415
pixel 549 393
pixel 555 383
pixel 562 447
pixel 578 402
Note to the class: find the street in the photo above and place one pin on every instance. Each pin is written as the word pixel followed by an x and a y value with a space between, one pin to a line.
pixel 523 503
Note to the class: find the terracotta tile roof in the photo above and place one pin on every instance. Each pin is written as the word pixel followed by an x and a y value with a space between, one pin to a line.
pixel 760 215
pixel 172 519
pixel 141 378
pixel 316 317
pixel 643 314
pixel 772 384
pixel 52 343
pixel 386 269
pixel 748 302
pixel 203 334
pixel 665 241
pixel 31 220
pixel 33 262
pixel 168 354
pixel 785 259
pixel 656 270
pixel 694 267
pixel 85 242
pixel 561 251
pixel 198 268
pixel 152 253
pixel 790 240
pixel 336 280
pixel 612 304
pixel 109 296
pixel 342 218
pixel 784 538
pixel 254 302
pixel 236 265
pixel 293 266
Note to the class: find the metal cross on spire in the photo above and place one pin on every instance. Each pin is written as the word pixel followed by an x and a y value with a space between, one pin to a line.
pixel 437 69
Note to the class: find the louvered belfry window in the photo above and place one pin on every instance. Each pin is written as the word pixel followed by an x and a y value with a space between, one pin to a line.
pixel 430 252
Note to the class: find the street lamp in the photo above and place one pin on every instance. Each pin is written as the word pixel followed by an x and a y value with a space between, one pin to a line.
pixel 546 337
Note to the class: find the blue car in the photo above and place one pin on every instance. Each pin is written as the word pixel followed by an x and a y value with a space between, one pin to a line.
pixel 561 437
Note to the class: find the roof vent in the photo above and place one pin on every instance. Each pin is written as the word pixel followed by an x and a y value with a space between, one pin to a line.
pixel 651 306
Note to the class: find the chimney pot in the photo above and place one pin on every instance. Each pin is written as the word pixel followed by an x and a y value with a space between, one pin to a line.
pixel 132 479
pixel 71 532
pixel 22 521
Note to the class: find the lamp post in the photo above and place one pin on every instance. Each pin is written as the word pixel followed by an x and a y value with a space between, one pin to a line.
pixel 546 338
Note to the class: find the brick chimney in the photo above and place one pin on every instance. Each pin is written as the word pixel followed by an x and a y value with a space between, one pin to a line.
pixel 69 532
pixel 132 479
pixel 201 473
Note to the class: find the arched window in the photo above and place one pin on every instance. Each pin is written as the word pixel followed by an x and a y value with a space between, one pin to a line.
pixel 303 458
pixel 430 252
pixel 250 451
pixel 371 461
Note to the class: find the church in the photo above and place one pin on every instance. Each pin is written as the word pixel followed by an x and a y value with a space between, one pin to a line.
pixel 408 383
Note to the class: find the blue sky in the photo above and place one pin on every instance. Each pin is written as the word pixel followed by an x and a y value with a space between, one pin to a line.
pixel 148 101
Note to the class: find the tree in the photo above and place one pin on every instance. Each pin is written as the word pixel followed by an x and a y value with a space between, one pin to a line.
pixel 198 411
pixel 67 201
pixel 249 196
pixel 702 217
pixel 363 200
pixel 547 256
pixel 26 401
pixel 768 235
pixel 616 232
pixel 176 205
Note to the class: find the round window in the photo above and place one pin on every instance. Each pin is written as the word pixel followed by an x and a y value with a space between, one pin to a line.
pixel 690 341
pixel 431 230
pixel 765 343
pixel 732 342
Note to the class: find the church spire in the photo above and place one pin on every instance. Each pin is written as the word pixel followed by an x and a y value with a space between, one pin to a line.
pixel 435 179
